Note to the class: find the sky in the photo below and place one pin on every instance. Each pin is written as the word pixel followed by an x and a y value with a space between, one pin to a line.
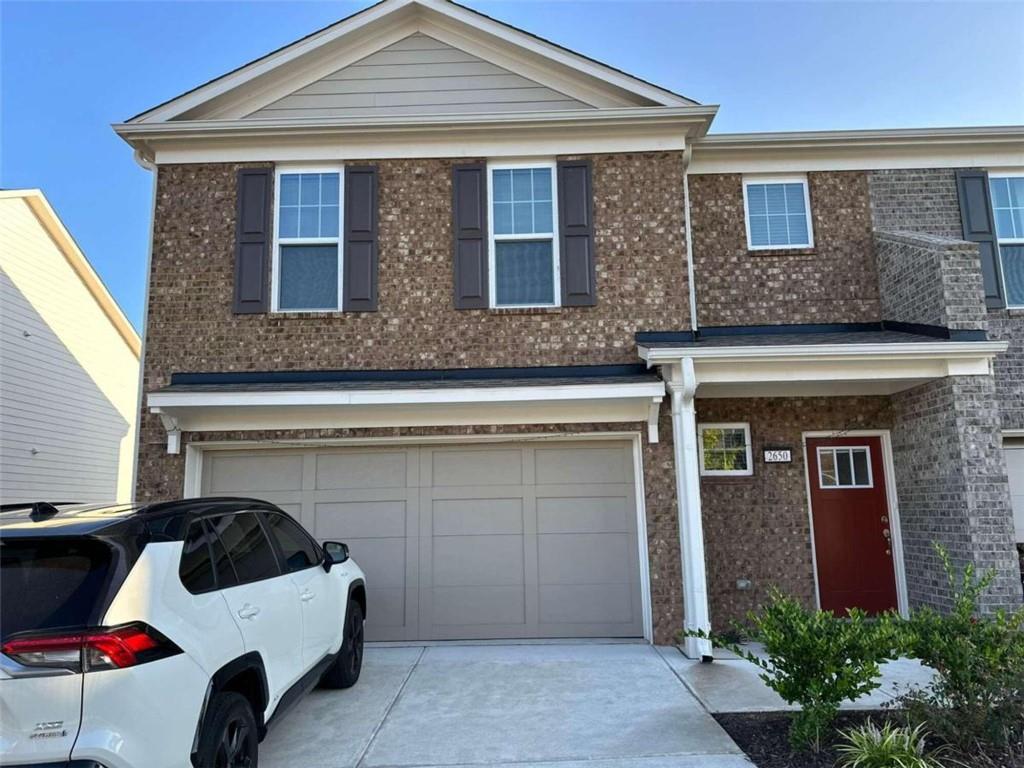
pixel 70 69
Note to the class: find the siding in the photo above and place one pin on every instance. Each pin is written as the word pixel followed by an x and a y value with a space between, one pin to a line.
pixel 68 381
pixel 418 75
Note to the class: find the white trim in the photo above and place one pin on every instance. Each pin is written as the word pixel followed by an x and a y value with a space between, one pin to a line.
pixel 889 469
pixel 1004 173
pixel 493 239
pixel 855 486
pixel 757 180
pixel 1013 433
pixel 275 257
pixel 745 426
pixel 920 349
pixel 192 486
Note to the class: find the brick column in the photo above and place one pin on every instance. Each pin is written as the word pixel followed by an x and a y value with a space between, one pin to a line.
pixel 952 488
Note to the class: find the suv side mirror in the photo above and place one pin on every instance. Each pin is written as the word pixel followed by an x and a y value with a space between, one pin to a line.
pixel 335 553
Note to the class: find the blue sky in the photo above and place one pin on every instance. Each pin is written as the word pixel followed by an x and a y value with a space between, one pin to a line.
pixel 68 70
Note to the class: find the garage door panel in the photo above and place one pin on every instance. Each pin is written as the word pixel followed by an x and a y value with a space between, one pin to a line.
pixel 593 514
pixel 602 558
pixel 478 560
pixel 253 473
pixel 1015 471
pixel 572 464
pixel 382 560
pixel 363 469
pixel 586 604
pixel 477 466
pixel 467 517
pixel 362 519
pixel 386 612
pixel 478 606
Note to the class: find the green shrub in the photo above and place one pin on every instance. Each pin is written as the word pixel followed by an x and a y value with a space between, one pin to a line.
pixel 976 701
pixel 890 746
pixel 817 660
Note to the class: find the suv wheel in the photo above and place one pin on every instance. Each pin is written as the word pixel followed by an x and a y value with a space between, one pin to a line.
pixel 344 672
pixel 228 738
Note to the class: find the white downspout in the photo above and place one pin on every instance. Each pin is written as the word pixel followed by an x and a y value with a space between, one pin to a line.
pixel 691 281
pixel 682 384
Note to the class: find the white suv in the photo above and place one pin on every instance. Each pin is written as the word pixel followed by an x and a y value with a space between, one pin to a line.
pixel 165 635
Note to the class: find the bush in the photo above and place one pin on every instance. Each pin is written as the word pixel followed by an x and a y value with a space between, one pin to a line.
pixel 976 701
pixel 817 660
pixel 890 746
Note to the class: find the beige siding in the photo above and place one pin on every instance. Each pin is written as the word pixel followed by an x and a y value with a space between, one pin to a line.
pixel 68 380
pixel 419 75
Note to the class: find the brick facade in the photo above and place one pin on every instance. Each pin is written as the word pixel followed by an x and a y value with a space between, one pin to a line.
pixel 835 282
pixel 951 477
pixel 930 280
pixel 758 527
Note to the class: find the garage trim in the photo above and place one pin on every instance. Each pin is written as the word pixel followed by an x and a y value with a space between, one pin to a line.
pixel 194 468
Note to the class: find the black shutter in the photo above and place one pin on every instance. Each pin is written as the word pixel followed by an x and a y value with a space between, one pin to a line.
pixel 469 225
pixel 979 227
pixel 252 240
pixel 359 288
pixel 576 233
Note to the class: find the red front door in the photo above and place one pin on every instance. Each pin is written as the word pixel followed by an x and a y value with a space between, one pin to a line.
pixel 852 531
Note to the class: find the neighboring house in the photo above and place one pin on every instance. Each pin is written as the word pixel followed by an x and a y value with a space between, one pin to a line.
pixel 69 366
pixel 554 361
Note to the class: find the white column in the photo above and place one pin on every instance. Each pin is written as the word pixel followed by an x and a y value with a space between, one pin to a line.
pixel 682 384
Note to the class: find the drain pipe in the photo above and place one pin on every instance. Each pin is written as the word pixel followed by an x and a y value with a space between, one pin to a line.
pixel 690 279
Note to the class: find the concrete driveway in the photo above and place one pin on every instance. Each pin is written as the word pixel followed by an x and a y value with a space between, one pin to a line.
pixel 604 705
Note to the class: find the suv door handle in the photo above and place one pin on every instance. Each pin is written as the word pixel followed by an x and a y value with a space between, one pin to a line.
pixel 307 596
pixel 248 611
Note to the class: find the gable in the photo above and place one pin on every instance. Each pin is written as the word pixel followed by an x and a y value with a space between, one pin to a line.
pixel 418 75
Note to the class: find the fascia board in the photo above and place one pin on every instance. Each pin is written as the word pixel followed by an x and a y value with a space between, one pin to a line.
pixel 827 352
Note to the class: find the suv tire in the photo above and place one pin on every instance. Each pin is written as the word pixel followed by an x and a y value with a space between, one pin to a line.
pixel 228 738
pixel 344 671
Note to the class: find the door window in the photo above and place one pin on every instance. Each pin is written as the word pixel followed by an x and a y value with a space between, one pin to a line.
pixel 196 567
pixel 842 467
pixel 298 550
pixel 247 546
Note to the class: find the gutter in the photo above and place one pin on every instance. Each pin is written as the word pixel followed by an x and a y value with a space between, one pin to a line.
pixel 923 349
pixel 691 273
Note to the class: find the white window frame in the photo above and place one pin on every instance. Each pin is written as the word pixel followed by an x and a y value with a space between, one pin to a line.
pixel 773 179
pixel 1010 174
pixel 745 426
pixel 492 238
pixel 275 270
pixel 832 449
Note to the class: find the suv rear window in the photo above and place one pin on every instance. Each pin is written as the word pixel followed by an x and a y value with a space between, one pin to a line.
pixel 52 583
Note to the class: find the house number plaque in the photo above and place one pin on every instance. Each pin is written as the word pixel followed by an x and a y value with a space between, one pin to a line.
pixel 778 455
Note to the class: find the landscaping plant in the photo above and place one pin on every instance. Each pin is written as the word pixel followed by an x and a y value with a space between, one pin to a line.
pixel 816 659
pixel 889 746
pixel 976 701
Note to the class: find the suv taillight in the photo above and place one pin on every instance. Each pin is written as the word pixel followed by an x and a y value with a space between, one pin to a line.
pixel 92 649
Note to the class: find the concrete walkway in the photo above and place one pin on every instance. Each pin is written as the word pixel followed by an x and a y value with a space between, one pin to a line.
pixel 575 705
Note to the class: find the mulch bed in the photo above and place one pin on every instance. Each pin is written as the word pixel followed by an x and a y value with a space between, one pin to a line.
pixel 764 736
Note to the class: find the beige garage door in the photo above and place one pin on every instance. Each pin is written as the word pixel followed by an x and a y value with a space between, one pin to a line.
pixel 497 540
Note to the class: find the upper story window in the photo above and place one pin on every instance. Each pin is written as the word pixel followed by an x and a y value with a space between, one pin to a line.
pixel 778 213
pixel 1008 210
pixel 725 449
pixel 307 252
pixel 523 248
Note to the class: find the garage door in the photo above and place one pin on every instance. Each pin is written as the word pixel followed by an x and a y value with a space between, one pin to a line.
pixel 497 540
pixel 1015 470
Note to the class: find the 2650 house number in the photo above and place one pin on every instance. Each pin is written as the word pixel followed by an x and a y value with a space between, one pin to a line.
pixel 778 455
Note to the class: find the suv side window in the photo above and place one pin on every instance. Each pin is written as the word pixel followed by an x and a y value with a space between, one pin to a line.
pixel 298 550
pixel 247 546
pixel 195 568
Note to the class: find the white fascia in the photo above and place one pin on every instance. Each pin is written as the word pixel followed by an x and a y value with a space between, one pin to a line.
pixel 951 350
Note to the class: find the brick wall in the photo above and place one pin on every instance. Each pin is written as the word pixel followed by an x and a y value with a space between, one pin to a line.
pixel 951 479
pixel 916 200
pixel 758 527
pixel 930 279
pixel 925 200
pixel 835 282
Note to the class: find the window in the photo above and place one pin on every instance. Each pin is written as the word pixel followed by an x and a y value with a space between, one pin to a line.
pixel 845 467
pixel 725 449
pixel 196 568
pixel 247 545
pixel 778 212
pixel 307 251
pixel 297 549
pixel 1008 210
pixel 524 249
